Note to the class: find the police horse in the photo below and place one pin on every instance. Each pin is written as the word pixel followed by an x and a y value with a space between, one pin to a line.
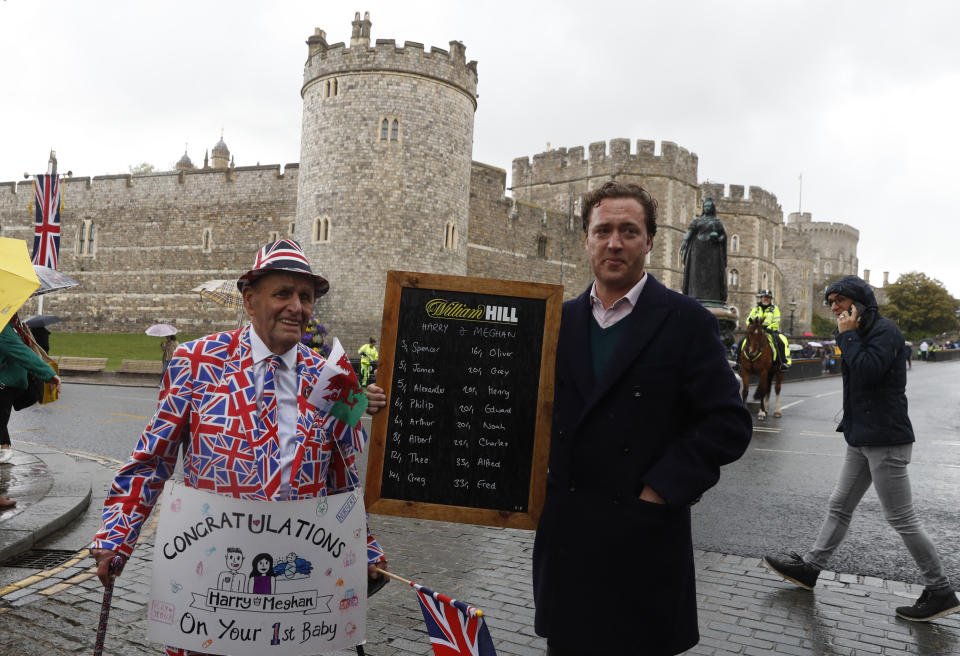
pixel 756 359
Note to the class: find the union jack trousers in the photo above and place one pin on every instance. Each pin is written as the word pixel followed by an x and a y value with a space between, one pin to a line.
pixel 208 412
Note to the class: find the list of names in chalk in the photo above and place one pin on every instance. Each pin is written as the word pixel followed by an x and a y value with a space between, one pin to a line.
pixel 463 405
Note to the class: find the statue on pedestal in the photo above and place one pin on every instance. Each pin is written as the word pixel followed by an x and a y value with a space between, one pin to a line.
pixel 704 254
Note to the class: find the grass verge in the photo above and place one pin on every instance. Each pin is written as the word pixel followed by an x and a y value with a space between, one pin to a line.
pixel 116 347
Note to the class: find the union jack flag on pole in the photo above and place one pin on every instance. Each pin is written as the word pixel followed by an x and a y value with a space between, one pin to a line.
pixel 455 628
pixel 46 233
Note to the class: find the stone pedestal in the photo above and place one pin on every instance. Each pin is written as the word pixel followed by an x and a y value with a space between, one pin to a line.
pixel 727 319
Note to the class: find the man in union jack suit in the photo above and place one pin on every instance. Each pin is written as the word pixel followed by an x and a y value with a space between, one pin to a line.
pixel 235 404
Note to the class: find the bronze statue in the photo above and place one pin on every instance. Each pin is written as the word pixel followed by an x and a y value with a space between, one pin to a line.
pixel 704 255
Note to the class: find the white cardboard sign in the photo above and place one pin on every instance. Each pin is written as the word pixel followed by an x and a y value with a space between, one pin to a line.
pixel 247 578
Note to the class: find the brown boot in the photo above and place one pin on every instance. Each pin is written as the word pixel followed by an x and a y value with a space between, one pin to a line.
pixel 6 503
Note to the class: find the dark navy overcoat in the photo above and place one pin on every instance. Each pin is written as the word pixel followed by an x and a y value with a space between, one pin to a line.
pixel 613 574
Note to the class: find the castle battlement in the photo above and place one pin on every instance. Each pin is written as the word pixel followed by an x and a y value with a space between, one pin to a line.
pixel 449 66
pixel 567 165
pixel 158 182
pixel 830 228
pixel 726 194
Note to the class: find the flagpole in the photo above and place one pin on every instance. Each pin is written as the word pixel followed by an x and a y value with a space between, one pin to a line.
pixel 477 611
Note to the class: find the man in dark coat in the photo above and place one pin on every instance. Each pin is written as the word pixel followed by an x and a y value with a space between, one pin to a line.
pixel 646 410
pixel 879 444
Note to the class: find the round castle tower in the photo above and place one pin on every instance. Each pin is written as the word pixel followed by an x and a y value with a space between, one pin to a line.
pixel 385 161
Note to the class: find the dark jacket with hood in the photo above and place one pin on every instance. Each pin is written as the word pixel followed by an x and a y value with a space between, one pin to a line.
pixel 874 373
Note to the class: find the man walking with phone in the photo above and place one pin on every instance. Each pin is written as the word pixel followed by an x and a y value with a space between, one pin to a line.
pixel 879 443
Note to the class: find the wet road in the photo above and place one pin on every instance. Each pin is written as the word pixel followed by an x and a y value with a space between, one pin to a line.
pixel 772 499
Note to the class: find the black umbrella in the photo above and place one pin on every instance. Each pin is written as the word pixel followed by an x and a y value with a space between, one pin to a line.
pixel 41 320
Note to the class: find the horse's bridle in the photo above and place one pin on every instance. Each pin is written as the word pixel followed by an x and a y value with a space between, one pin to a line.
pixel 753 355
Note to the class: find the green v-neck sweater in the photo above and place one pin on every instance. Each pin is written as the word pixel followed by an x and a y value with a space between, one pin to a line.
pixel 603 343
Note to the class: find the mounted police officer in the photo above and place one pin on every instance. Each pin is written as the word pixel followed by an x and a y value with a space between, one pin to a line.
pixel 771 323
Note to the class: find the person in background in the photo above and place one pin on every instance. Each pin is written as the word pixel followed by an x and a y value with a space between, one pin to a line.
pixel 17 361
pixel 168 346
pixel 42 337
pixel 879 439
pixel 368 360
pixel 770 313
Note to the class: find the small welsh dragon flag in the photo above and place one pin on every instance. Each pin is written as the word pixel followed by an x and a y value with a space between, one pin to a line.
pixel 339 398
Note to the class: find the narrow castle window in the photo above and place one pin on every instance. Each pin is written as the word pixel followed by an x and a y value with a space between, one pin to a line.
pixel 395 131
pixel 321 230
pixel 273 236
pixel 826 268
pixel 86 239
pixel 450 236
pixel 541 246
pixel 384 127
pixel 763 281
pixel 207 240
pixel 290 227
pixel 336 87
pixel 766 248
pixel 735 244
pixel 733 279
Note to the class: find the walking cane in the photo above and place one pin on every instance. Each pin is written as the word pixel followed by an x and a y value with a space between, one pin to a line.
pixel 116 565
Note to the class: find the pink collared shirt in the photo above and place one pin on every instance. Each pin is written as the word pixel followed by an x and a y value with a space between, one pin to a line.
pixel 621 307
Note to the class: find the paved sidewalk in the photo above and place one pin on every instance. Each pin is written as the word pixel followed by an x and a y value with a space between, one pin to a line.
pixel 744 609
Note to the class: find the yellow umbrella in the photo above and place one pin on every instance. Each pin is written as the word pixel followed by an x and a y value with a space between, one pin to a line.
pixel 17 278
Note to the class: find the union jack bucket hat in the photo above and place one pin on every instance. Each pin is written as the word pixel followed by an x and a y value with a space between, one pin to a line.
pixel 283 255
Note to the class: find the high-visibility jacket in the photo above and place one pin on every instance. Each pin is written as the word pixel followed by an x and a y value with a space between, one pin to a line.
pixel 770 314
pixel 368 353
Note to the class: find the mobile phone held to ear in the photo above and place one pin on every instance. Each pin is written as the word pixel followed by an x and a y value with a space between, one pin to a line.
pixel 861 308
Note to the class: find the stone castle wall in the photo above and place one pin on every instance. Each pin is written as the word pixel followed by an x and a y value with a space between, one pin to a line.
pixel 507 237
pixel 148 245
pixel 556 179
pixel 834 245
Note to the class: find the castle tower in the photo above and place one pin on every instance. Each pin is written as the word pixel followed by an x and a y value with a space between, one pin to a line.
pixel 558 178
pixel 221 154
pixel 184 163
pixel 385 161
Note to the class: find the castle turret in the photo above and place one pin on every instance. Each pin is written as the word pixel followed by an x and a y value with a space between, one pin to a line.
pixel 360 38
pixel 184 164
pixel 221 154
pixel 384 168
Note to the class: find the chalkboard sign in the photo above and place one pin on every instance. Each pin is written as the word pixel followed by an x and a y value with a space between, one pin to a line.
pixel 468 366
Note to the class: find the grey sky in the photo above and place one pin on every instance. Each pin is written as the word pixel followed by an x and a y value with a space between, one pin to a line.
pixel 859 97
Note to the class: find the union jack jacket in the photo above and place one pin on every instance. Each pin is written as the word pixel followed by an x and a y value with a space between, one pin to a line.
pixel 208 410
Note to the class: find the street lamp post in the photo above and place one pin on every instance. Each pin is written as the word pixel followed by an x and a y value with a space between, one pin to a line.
pixel 793 307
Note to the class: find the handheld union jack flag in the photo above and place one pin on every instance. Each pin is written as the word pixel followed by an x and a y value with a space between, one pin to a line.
pixel 46 233
pixel 455 628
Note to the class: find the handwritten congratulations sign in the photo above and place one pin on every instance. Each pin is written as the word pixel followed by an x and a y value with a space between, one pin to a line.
pixel 247 578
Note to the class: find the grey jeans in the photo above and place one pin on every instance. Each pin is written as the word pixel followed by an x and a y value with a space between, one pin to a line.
pixel 886 468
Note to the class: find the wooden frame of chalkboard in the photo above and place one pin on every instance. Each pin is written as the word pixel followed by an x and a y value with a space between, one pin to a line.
pixel 468 368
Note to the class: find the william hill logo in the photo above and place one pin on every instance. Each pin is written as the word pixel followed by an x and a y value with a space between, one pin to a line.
pixel 441 308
